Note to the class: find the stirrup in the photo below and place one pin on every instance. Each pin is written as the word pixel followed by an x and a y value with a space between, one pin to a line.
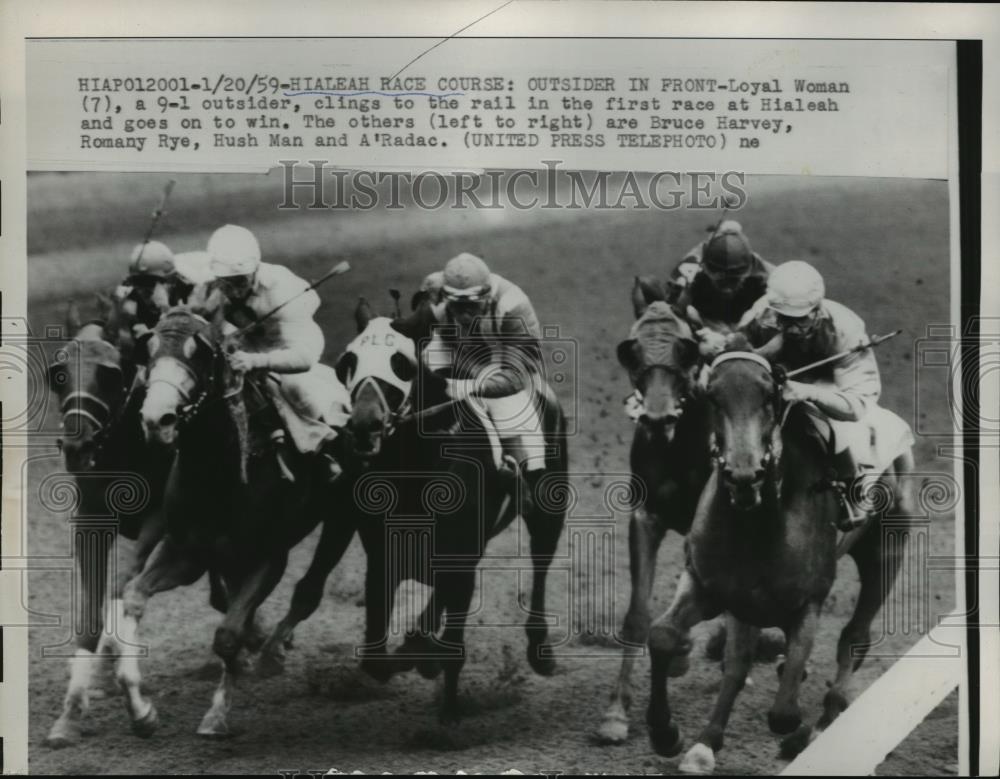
pixel 850 517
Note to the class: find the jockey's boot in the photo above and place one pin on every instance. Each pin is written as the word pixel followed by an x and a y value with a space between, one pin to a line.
pixel 853 512
pixel 280 443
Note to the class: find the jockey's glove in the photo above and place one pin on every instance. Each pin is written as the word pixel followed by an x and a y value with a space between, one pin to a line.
pixel 710 343
pixel 243 362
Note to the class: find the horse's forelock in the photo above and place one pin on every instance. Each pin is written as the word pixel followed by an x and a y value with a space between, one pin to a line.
pixel 657 331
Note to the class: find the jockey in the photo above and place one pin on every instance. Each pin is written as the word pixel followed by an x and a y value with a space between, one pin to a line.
pixel 148 290
pixel 795 325
pixel 717 282
pixel 307 395
pixel 485 337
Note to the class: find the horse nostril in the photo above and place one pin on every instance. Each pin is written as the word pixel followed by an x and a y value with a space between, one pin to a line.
pixel 671 419
pixel 168 420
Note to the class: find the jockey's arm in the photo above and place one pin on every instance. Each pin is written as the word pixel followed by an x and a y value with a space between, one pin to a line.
pixel 303 346
pixel 518 353
pixel 856 386
pixel 294 342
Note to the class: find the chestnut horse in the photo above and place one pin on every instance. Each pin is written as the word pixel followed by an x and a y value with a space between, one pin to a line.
pixel 763 548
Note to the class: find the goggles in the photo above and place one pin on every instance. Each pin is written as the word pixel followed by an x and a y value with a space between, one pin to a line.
pixel 470 295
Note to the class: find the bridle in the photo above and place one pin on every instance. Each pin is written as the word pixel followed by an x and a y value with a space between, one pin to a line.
pixel 771 459
pixel 391 418
pixel 193 403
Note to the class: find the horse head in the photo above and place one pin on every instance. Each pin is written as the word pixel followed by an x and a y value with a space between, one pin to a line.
pixel 746 432
pixel 661 357
pixel 378 368
pixel 185 366
pixel 87 378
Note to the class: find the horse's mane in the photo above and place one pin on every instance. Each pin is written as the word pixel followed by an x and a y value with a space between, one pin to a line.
pixel 180 319
pixel 657 330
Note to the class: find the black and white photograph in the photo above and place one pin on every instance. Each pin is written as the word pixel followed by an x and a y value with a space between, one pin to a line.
pixel 440 417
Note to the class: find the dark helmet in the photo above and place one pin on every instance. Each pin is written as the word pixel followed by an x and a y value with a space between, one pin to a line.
pixel 728 250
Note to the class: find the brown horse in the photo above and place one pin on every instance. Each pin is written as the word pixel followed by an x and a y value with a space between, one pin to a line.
pixel 670 464
pixel 763 549
pixel 104 450
pixel 411 452
pixel 226 505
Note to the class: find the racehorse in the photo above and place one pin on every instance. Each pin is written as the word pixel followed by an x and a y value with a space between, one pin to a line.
pixel 227 507
pixel 104 451
pixel 425 480
pixel 763 548
pixel 669 460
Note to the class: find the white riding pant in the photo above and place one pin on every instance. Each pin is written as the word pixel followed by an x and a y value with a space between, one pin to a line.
pixel 313 405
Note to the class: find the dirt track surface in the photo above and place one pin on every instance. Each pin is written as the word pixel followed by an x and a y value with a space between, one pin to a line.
pixel 883 248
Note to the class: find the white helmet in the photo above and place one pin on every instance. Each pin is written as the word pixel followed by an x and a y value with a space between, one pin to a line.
pixel 151 259
pixel 193 267
pixel 234 252
pixel 795 288
pixel 466 277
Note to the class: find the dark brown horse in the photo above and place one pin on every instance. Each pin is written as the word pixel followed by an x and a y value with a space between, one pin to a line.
pixel 763 549
pixel 669 462
pixel 226 506
pixel 427 500
pixel 104 451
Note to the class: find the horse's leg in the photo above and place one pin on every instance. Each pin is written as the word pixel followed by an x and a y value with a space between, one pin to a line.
pixel 381 581
pixel 166 568
pixel 230 636
pixel 420 647
pixel 545 527
pixel 91 572
pixel 669 638
pixel 878 566
pixel 741 640
pixel 785 715
pixel 333 542
pixel 646 532
pixel 457 589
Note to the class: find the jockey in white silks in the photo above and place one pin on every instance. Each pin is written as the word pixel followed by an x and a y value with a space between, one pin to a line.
pixel 485 336
pixel 310 400
pixel 794 325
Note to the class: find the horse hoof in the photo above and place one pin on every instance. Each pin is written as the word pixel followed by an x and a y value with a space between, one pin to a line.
pixel 214 726
pixel 613 730
pixel 666 741
pixel 429 669
pixel 380 670
pixel 678 666
pixel 270 664
pixel 289 640
pixel 792 745
pixel 699 760
pixel 64 733
pixel 783 723
pixel 541 660
pixel 449 715
pixel 145 726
